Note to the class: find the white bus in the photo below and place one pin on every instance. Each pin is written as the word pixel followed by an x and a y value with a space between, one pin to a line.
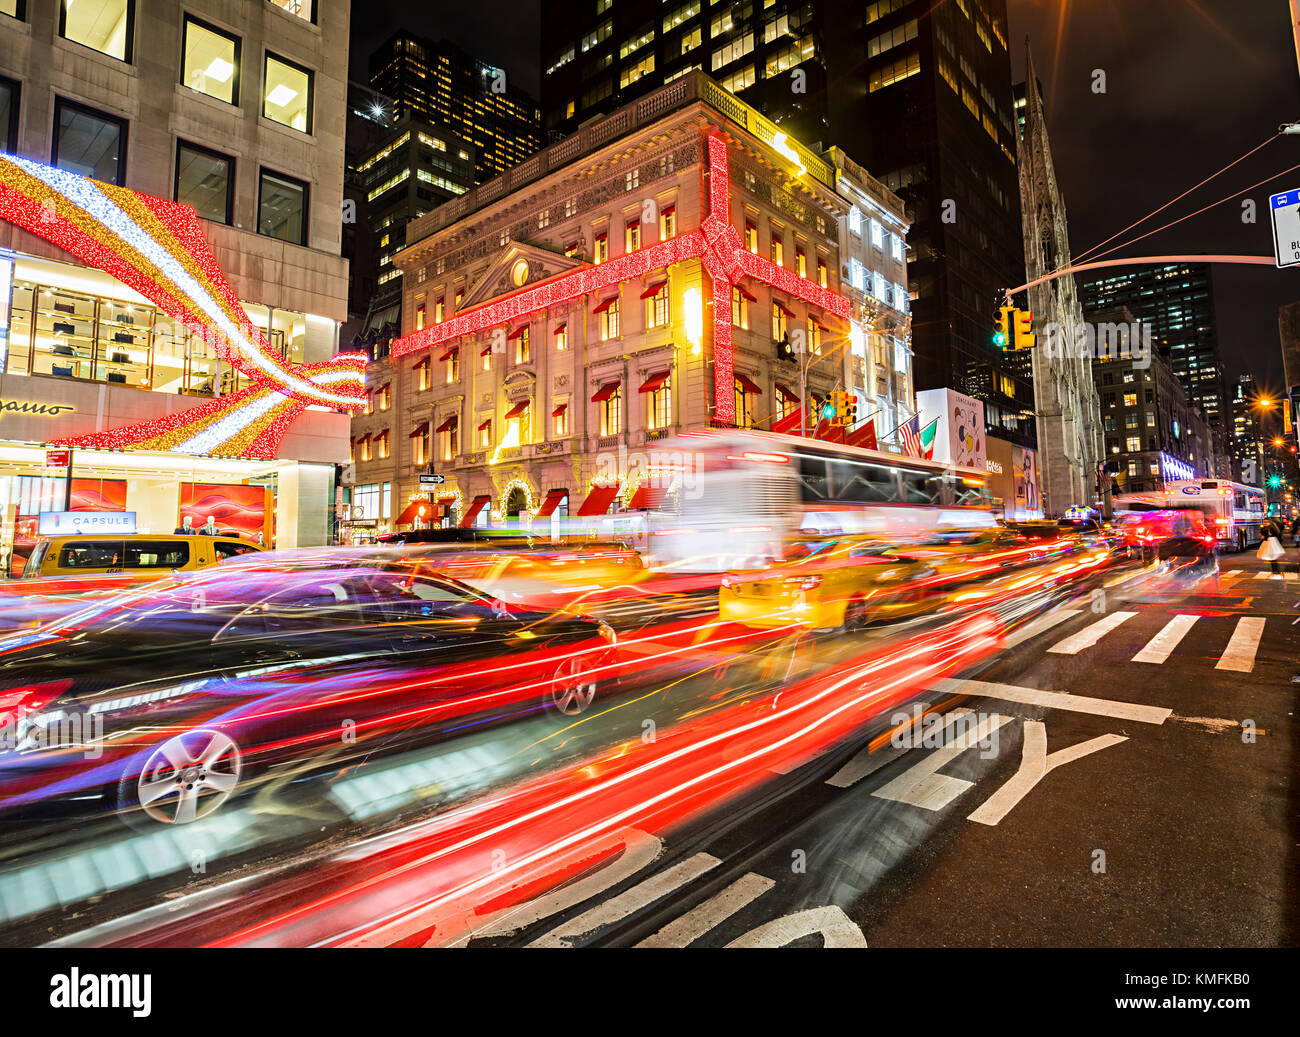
pixel 1236 510
pixel 738 497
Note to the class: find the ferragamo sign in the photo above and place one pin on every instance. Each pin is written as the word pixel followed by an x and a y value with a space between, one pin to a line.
pixel 49 410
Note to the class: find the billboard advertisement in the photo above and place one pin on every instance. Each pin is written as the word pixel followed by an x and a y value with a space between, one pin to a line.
pixel 959 437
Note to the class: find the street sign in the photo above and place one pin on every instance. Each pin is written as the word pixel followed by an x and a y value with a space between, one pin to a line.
pixel 432 480
pixel 57 458
pixel 1286 227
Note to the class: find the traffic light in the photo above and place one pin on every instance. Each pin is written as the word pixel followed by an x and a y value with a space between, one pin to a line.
pixel 1023 330
pixel 1002 327
pixel 1275 481
pixel 828 409
pixel 849 415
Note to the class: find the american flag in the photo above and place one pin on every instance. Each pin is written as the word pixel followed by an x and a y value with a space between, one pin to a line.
pixel 910 430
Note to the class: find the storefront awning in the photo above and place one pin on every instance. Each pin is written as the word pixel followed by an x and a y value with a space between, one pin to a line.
pixel 559 330
pixel 745 293
pixel 601 307
pixel 518 331
pixel 517 409
pixel 605 392
pixel 787 393
pixel 448 354
pixel 449 423
pixel 486 350
pixel 748 384
pixel 471 513
pixel 646 498
pixel 411 512
pixel 419 430
pixel 655 381
pixel 486 425
pixel 553 498
pixel 654 290
pixel 598 500
pixel 559 411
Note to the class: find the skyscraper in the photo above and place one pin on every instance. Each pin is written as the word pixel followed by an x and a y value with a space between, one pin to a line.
pixel 1177 302
pixel 917 93
pixel 437 82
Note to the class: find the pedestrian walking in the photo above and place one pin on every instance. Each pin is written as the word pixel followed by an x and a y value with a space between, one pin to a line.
pixel 1270 548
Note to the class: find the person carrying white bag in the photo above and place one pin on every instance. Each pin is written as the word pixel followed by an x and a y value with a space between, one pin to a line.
pixel 1270 548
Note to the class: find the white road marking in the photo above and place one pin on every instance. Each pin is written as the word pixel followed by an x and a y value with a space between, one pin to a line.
pixel 717 909
pixel 866 762
pixel 1091 634
pixel 921 786
pixel 1034 765
pixel 1240 653
pixel 1284 576
pixel 1115 581
pixel 1231 574
pixel 1037 626
pixel 1159 647
pixel 1056 700
pixel 654 888
pixel 836 928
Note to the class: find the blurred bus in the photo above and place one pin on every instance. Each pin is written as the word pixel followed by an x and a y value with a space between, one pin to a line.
pixel 1234 509
pixel 738 497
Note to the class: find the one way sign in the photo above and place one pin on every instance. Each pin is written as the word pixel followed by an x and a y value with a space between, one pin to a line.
pixel 1286 227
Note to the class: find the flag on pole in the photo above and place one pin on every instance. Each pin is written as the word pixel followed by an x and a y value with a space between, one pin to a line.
pixel 927 439
pixel 789 424
pixel 864 435
pixel 910 431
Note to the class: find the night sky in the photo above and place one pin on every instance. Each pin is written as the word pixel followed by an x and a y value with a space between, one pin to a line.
pixel 1191 85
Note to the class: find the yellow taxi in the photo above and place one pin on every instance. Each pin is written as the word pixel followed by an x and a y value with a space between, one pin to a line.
pixel 824 584
pixel 974 554
pixel 139 555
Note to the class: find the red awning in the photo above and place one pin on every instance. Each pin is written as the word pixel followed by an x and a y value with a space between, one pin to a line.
pixel 363 439
pixel 598 500
pixel 786 393
pixel 422 362
pixel 748 384
pixel 783 308
pixel 655 381
pixel 412 512
pixel 517 409
pixel 553 498
pixel 601 307
pixel 654 290
pixel 471 513
pixel 559 329
pixel 646 498
pixel 745 293
pixel 559 410
pixel 420 430
pixel 486 424
pixel 517 332
pixel 450 423
pixel 486 350
pixel 450 353
pixel 605 392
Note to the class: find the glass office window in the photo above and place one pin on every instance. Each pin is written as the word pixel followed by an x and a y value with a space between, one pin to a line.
pixel 282 208
pixel 286 94
pixel 89 142
pixel 205 179
pixel 210 61
pixel 103 25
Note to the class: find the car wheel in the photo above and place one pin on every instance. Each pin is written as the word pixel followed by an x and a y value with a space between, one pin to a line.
pixel 855 614
pixel 572 688
pixel 184 779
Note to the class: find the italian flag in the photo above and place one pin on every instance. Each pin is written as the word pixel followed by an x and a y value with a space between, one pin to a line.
pixel 927 439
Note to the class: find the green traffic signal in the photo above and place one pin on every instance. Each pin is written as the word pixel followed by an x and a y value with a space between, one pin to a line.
pixel 1275 481
pixel 999 339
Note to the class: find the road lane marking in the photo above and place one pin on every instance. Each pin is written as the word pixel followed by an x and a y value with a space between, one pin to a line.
pixel 1034 765
pixel 1056 700
pixel 1232 574
pixel 836 928
pixel 643 893
pixel 1037 626
pixel 1091 634
pixel 1284 576
pixel 1240 653
pixel 921 786
pixel 717 909
pixel 1160 646
pixel 866 762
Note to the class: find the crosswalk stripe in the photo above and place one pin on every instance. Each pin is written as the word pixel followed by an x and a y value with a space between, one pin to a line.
pixel 1271 575
pixel 1159 647
pixel 1090 635
pixel 1055 700
pixel 1240 653
pixel 1231 574
pixel 718 908
pixel 1033 629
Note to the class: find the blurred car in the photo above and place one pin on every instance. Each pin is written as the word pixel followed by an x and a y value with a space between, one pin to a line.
pixel 141 555
pixel 1145 532
pixel 824 584
pixel 453 536
pixel 199 689
pixel 970 554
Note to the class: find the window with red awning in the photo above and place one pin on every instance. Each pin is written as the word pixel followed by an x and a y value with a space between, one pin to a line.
pixel 655 381
pixel 450 423
pixel 748 384
pixel 605 392
pixel 471 513
pixel 646 498
pixel 420 430
pixel 517 409
pixel 654 290
pixel 552 501
pixel 559 411
pixel 598 500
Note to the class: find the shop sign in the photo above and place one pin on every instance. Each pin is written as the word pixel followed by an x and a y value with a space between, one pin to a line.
pixel 42 407
pixel 98 523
